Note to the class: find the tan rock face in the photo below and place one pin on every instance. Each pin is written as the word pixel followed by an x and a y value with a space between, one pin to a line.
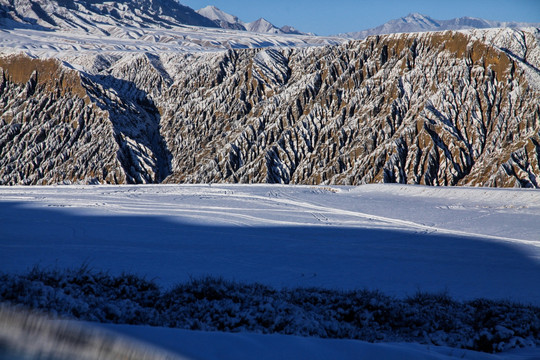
pixel 49 131
pixel 451 108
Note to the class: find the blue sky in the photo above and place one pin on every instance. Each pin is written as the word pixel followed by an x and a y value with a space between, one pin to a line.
pixel 326 17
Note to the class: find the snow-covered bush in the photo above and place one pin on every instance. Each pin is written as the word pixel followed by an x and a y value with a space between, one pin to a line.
pixel 215 304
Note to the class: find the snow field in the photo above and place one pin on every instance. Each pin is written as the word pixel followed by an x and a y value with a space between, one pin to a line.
pixel 470 243
pixel 465 243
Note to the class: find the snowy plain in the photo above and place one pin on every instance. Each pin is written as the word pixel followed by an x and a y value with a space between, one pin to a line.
pixel 399 239
pixel 123 40
pixel 468 242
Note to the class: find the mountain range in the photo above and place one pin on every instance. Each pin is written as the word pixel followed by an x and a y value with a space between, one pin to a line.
pixel 141 25
pixel 87 14
pixel 96 13
pixel 228 21
pixel 411 23
pixel 106 92
pixel 417 23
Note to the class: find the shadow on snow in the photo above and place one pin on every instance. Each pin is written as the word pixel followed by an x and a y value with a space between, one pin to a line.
pixel 395 262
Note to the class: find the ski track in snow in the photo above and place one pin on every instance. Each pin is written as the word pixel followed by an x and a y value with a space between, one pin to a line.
pixel 321 209
pixel 131 200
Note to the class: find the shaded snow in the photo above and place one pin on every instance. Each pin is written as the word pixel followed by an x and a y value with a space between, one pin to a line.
pixel 399 239
pixel 269 347
pixel 45 338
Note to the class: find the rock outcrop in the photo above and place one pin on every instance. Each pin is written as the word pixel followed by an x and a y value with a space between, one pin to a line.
pixel 443 108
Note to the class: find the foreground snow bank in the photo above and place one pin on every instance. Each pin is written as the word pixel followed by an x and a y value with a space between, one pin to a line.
pixel 217 305
pixel 27 336
pixel 205 345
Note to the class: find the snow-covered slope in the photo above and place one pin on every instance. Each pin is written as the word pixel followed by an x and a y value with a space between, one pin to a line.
pixel 126 40
pixel 223 19
pixel 26 334
pixel 417 22
pixel 94 16
pixel 395 238
pixel 56 28
pixel 447 108
pixel 228 21
pixel 274 347
pixel 400 240
pixel 48 27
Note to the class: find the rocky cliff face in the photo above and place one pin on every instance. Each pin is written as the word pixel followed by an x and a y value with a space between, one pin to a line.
pixel 450 108
pixel 57 126
pixel 49 130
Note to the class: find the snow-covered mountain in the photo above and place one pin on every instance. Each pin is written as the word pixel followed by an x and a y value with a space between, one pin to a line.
pixel 96 15
pixel 286 29
pixel 417 23
pixel 263 26
pixel 48 27
pixel 228 21
pixel 221 18
pixel 446 108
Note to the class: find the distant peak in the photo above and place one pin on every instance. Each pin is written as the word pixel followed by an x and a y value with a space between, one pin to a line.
pixel 213 13
pixel 210 8
pixel 415 19
pixel 261 21
pixel 416 15
pixel 288 28
pixel 262 25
